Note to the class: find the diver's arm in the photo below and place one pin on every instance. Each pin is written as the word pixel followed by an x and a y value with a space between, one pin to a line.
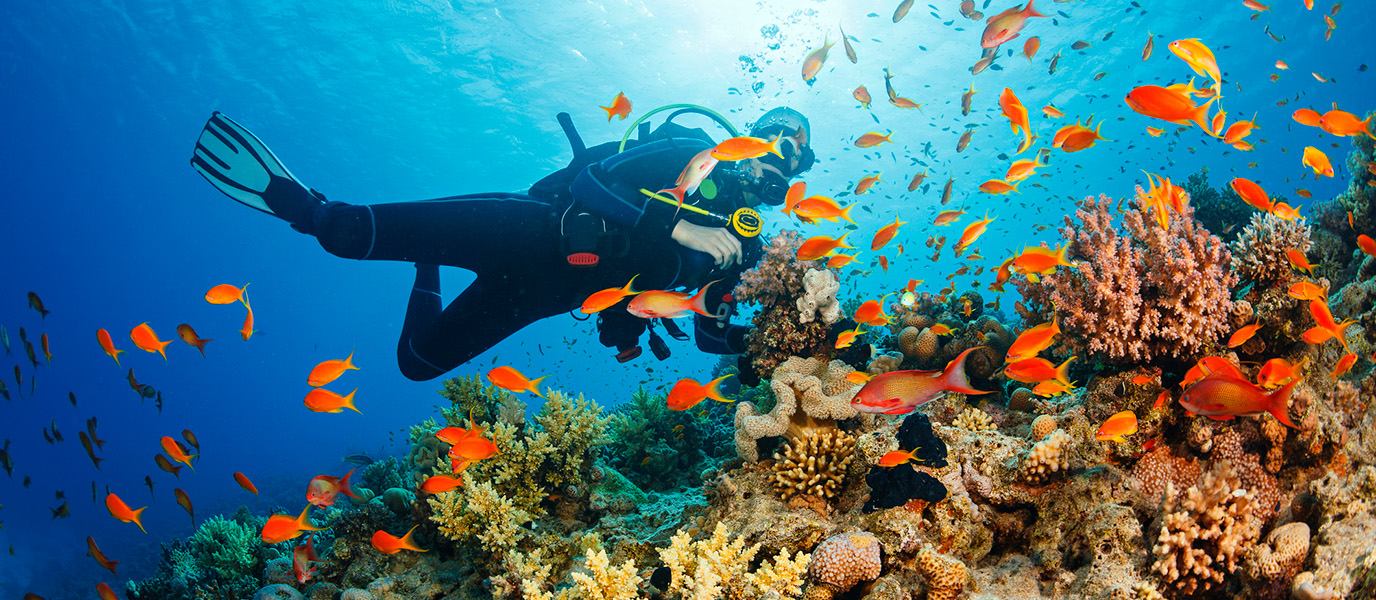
pixel 723 247
pixel 612 187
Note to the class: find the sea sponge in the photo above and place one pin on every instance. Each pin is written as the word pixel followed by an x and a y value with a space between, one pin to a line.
pixel 945 575
pixel 846 559
pixel 1259 251
pixel 1047 457
pixel 815 464
pixel 1204 537
pixel 974 419
pixel 819 297
pixel 809 394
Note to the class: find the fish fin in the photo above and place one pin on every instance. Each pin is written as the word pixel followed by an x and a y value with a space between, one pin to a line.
pixel 1280 404
pixel 409 542
pixel 953 378
pixel 610 112
pixel 344 486
pixel 349 403
pixel 628 289
pixel 1221 417
pixel 535 386
pixel 348 362
pixel 677 195
pixel 137 518
pixel 714 389
pixel 698 303
pixel 1063 371
pixel 1030 12
pixel 845 214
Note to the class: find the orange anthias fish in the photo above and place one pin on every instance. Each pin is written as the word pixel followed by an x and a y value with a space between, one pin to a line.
pixel 1013 108
pixel 661 304
pixel 1367 244
pixel 225 294
pixel 1344 365
pixel 1077 137
pixel 815 59
pixel 1307 290
pixel 121 511
pixel 863 96
pixel 607 298
pixel 621 106
pixel 1327 327
pixel 247 330
pixel 387 543
pixel 1221 396
pixel 1241 336
pixel 1318 161
pixel 898 457
pixel 188 335
pixel 815 208
pixel 1051 387
pixel 281 528
pixel 1037 370
pixel 795 194
pixel 175 452
pixel 1022 169
pixel 744 147
pixel 36 303
pixel 108 345
pixel 244 482
pixel 1200 58
pixel 1278 371
pixel 847 338
pixel 997 187
pixel 167 465
pixel 324 489
pixel 1052 112
pixel 47 354
pixel 1342 123
pixel 301 558
pixel 1168 105
pixel 900 392
pixel 687 393
pixel 972 233
pixel 840 260
pixel 1252 194
pixel 144 338
pixel 692 175
pixel 965 99
pixel 330 370
pixel 1299 261
pixel 1041 261
pixel 105 592
pixel 872 139
pixel 473 448
pixel 185 502
pixel 93 551
pixel 1240 130
pixel 326 401
pixel 1030 47
pixel 1117 427
pixel 886 234
pixel 866 183
pixel 512 380
pixel 946 217
pixel 916 181
pixel 439 484
pixel 818 246
pixel 1007 25
pixel 871 312
pixel 1306 116
pixel 1208 365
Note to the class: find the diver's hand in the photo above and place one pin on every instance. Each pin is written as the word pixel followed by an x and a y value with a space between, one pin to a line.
pixel 716 241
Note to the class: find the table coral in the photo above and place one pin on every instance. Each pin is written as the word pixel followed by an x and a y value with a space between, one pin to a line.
pixel 1139 293
pixel 818 301
pixel 846 559
pixel 1204 537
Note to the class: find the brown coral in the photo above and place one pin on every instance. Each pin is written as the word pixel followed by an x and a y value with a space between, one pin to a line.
pixel 1161 469
pixel 945 575
pixel 1204 538
pixel 815 464
pixel 1259 251
pixel 1280 558
pixel 809 394
pixel 918 344
pixel 846 559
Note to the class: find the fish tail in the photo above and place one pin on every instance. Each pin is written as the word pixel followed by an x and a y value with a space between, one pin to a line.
pixel 242 297
pixel 115 355
pixel 344 486
pixel 1340 331
pixel 1279 405
pixel 774 146
pixel 1200 116
pixel 1063 371
pixel 841 242
pixel 698 303
pixel 348 362
pixel 713 389
pixel 535 386
pixel 677 195
pixel 610 112
pixel 137 518
pixel 845 214
pixel 409 542
pixel 953 378
pixel 1030 12
pixel 627 288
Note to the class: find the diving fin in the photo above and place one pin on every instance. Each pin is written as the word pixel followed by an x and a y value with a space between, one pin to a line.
pixel 237 163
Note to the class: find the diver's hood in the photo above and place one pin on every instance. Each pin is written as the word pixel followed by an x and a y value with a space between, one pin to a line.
pixel 787 122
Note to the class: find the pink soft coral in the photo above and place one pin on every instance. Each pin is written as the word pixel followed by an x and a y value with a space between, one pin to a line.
pixel 778 275
pixel 1139 294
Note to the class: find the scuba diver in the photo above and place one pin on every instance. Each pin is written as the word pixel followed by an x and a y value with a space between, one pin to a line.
pixel 592 225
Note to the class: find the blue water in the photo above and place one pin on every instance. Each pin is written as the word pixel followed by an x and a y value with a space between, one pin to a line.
pixel 378 102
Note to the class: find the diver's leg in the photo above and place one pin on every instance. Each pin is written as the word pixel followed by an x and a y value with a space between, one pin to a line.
pixel 462 231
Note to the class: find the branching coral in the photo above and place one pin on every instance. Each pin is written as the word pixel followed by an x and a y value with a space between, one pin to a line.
pixel 468 396
pixel 660 449
pixel 1138 294
pixel 1259 251
pixel 1047 457
pixel 604 582
pixel 479 511
pixel 815 464
pixel 719 568
pixel 1205 536
pixel 778 276
pixel 776 284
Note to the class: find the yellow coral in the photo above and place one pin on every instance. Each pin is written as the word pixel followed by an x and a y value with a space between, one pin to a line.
pixel 945 575
pixel 602 582
pixel 478 510
pixel 783 578
pixel 974 419
pixel 718 568
pixel 815 464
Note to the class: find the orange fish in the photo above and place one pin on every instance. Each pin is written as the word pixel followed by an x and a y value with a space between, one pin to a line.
pixel 607 298
pixel 871 312
pixel 167 465
pixel 1022 169
pixel 47 355
pixel 1327 327
pixel 1344 365
pixel 175 452
pixel 1052 112
pixel 886 234
pixel 93 551
pixel 1160 103
pixel 795 194
pixel 972 233
pixel 872 139
pixel 1037 370
pixel 661 304
pixel 863 96
pixel 1041 261
pixel 245 483
pixel 1221 396
pixel 1367 244
pixel 225 294
pixel 1007 25
pixel 1030 47
pixel 846 338
pixel 1306 290
pixel 1051 387
pixel 1285 211
pixel 301 558
pixel 439 484
pixel 1241 336
pixel 1143 379
pixel 744 147
pixel 947 217
pixel 330 370
pixel 323 400
pixel 898 457
pixel 473 448
pixel 144 338
pixel 1257 6
pixel 820 245
pixel 866 183
pixel 1308 117
pixel 687 393
pixel 997 187
pixel 188 335
pixel 965 99
pixel 512 380
pixel 1077 137
pixel 281 528
pixel 1318 161
pixel 946 191
pixel 858 377
pixel 917 180
pixel 822 208
pixel 1252 193
pixel 1117 427
pixel 1278 371
pixel 1147 48
pixel 108 345
pixel 1299 261
pixel 121 512
pixel 964 141
pixel 1239 130
pixel 1155 131
pixel 323 490
pixel 1199 57
pixel 815 59
pixel 1162 399
pixel 387 543
pixel 104 592
pixel 185 502
pixel 900 392
pixel 692 175
pixel 941 329
pixel 247 330
pixel 621 106
pixel 1342 123
pixel 840 260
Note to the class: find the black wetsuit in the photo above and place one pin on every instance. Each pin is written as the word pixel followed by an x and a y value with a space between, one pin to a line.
pixel 512 243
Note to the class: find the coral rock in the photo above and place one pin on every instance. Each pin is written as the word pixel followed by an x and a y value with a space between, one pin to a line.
pixel 1159 468
pixel 818 301
pixel 1259 251
pixel 1282 555
pixel 945 576
pixel 278 591
pixel 846 559
pixel 1042 426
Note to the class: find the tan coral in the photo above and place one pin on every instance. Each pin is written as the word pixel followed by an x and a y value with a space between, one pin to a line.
pixel 885 363
pixel 846 559
pixel 1280 558
pixel 1160 467
pixel 1042 426
pixel 719 568
pixel 974 419
pixel 809 394
pixel 815 464
pixel 1047 457
pixel 604 582
pixel 1204 537
pixel 945 575
pixel 918 344
pixel 818 301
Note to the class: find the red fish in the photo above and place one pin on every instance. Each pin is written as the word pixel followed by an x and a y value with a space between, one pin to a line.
pixel 188 335
pixel 1241 336
pixel 1168 105
pixel 175 452
pixel 1343 365
pixel 439 484
pixel 324 489
pixel 744 147
pixel 93 551
pixel 104 591
pixel 387 543
pixel 1007 25
pixel 872 139
pixel 108 345
pixel 900 392
pixel 247 330
pixel 1037 370
pixel 121 511
pixel 301 558
pixel 1221 396
pixel 687 393
pixel 621 106
pixel 245 483
pixel 281 528
pixel 1033 341
pixel 330 370
pixel 898 457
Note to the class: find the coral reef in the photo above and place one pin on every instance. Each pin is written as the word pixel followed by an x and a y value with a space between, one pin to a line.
pixel 1204 537
pixel 776 285
pixel 945 575
pixel 1259 251
pixel 719 567
pixel 662 449
pixel 1047 457
pixel 818 301
pixel 814 464
pixel 222 558
pixel 846 559
pixel 809 394
pixel 1218 210
pixel 1138 294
